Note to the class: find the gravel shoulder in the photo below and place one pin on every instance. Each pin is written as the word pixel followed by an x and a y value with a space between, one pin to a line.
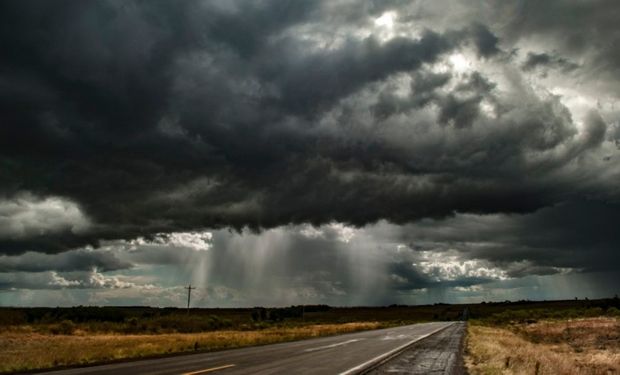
pixel 441 353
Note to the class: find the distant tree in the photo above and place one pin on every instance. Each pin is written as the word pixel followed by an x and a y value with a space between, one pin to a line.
pixel 259 314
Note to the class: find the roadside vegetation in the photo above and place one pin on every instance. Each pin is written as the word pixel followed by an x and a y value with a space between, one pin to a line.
pixel 572 340
pixel 146 320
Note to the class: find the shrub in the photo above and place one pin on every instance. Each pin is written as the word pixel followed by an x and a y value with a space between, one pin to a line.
pixel 594 311
pixel 12 317
pixel 131 325
pixel 66 327
pixel 613 311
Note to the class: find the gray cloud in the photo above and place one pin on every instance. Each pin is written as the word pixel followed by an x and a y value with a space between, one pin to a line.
pixel 66 280
pixel 75 260
pixel 486 42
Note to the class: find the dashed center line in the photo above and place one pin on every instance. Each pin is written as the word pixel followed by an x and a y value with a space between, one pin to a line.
pixel 208 370
pixel 397 337
pixel 332 345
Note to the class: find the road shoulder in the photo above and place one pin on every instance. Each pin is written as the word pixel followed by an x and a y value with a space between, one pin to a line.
pixel 441 353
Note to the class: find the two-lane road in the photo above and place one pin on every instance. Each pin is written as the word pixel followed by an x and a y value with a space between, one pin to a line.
pixel 342 354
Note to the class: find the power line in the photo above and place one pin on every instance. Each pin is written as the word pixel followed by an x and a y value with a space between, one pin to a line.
pixel 189 295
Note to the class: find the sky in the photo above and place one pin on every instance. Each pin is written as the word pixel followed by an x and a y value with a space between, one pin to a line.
pixel 279 152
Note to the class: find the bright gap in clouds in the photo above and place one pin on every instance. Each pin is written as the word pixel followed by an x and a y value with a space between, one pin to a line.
pixel 386 20
pixel 459 62
pixel 384 26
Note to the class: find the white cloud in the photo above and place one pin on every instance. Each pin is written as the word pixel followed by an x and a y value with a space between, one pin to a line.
pixel 198 241
pixel 449 267
pixel 93 280
pixel 386 20
pixel 471 288
pixel 337 231
pixel 59 281
pixel 28 215
pixel 98 280
pixel 344 233
pixel 310 231
pixel 385 25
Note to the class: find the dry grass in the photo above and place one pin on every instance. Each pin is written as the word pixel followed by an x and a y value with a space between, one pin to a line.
pixel 26 350
pixel 584 346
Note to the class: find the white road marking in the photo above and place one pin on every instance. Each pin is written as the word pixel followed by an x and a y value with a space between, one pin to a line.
pixel 333 345
pixel 387 354
pixel 391 337
pixel 212 369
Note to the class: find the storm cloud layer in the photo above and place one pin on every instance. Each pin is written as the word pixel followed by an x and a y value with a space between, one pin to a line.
pixel 484 133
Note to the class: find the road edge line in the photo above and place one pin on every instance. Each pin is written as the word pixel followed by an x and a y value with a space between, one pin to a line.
pixel 382 358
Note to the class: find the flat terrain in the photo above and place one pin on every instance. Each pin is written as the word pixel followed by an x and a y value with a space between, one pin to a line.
pixel 44 338
pixel 342 354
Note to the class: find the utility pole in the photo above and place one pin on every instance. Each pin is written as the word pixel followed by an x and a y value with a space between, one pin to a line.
pixel 189 295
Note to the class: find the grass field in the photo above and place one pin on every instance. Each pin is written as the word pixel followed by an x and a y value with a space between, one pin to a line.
pixel 562 346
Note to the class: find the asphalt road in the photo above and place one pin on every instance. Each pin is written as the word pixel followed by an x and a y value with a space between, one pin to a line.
pixel 342 355
pixel 439 354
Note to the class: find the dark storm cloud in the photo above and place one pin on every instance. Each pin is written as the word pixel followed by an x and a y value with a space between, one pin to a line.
pixel 580 25
pixel 580 31
pixel 486 42
pixel 320 80
pixel 614 134
pixel 152 117
pixel 579 236
pixel 545 60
